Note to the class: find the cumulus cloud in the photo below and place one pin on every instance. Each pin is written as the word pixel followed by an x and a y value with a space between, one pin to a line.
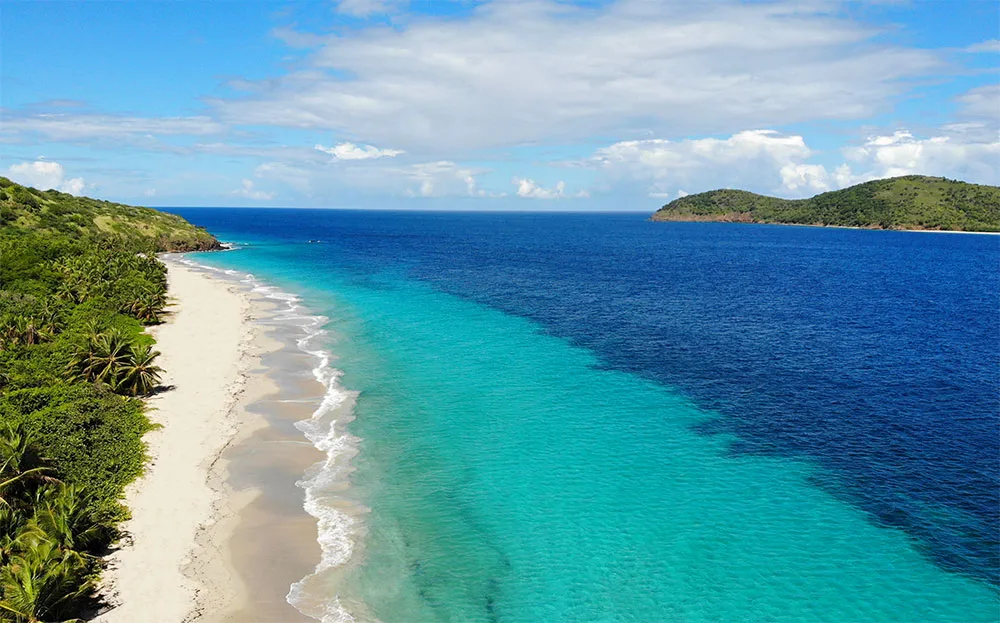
pixel 45 175
pixel 901 153
pixel 522 72
pixel 248 191
pixel 350 151
pixel 766 161
pixel 804 177
pixel 528 189
pixel 745 159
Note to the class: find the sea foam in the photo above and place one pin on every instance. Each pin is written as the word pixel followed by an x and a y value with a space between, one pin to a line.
pixel 335 527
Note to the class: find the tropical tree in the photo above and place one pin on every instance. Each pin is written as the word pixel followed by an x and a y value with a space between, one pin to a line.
pixel 43 582
pixel 112 358
pixel 139 375
pixel 21 463
pixel 146 307
pixel 103 357
pixel 21 331
pixel 67 515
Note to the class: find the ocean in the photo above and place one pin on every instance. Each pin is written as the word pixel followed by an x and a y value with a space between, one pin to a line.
pixel 595 418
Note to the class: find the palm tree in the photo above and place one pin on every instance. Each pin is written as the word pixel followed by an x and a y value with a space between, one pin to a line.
pixel 12 519
pixel 147 307
pixel 43 582
pixel 10 335
pixel 49 322
pixel 66 515
pixel 139 375
pixel 67 291
pixel 21 330
pixel 21 462
pixel 109 355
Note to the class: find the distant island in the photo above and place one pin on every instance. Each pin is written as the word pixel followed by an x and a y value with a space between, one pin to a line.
pixel 913 202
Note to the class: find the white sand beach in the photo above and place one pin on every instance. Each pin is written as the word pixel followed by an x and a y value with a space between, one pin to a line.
pixel 204 345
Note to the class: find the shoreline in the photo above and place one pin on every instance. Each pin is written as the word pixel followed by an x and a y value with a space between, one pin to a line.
pixel 203 344
pixel 202 543
pixel 709 219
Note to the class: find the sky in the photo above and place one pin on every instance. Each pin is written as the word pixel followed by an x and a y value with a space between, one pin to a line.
pixel 493 105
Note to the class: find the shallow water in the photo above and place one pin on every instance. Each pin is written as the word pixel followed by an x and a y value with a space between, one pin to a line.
pixel 594 418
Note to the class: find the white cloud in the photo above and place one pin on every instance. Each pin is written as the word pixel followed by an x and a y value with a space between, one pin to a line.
pixel 248 191
pixel 86 127
pixel 752 158
pixel 438 179
pixel 350 151
pixel 73 186
pixel 804 177
pixel 45 175
pixel 528 189
pixel 993 45
pixel 299 178
pixel 765 161
pixel 901 153
pixel 523 72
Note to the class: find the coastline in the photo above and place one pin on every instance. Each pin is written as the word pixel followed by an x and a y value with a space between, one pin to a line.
pixel 726 219
pixel 192 552
pixel 232 520
pixel 202 346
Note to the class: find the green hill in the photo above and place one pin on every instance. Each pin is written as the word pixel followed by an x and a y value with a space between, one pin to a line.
pixel 30 210
pixel 910 202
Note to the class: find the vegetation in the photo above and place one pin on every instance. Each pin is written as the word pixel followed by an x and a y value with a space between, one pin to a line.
pixel 911 202
pixel 79 281
pixel 24 209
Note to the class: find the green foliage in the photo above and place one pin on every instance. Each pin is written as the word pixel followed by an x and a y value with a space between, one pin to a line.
pixel 911 202
pixel 49 533
pixel 116 360
pixel 79 280
pixel 24 209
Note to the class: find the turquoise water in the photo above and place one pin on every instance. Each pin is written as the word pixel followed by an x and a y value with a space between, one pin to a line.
pixel 511 476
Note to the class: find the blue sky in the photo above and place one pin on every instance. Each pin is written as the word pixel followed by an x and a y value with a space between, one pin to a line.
pixel 510 104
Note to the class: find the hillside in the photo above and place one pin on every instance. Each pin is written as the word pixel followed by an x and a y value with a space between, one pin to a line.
pixel 910 202
pixel 27 209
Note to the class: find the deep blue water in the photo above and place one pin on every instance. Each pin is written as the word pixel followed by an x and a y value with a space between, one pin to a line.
pixel 874 356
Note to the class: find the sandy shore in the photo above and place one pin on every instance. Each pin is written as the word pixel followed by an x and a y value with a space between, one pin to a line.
pixel 218 533
pixel 203 346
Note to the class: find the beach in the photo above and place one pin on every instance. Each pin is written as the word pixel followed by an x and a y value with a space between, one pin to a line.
pixel 217 530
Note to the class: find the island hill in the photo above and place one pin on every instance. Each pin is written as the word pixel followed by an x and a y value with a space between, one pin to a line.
pixel 914 202
pixel 50 212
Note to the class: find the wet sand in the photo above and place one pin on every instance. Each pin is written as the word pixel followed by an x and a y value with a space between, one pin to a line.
pixel 219 532
pixel 270 541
